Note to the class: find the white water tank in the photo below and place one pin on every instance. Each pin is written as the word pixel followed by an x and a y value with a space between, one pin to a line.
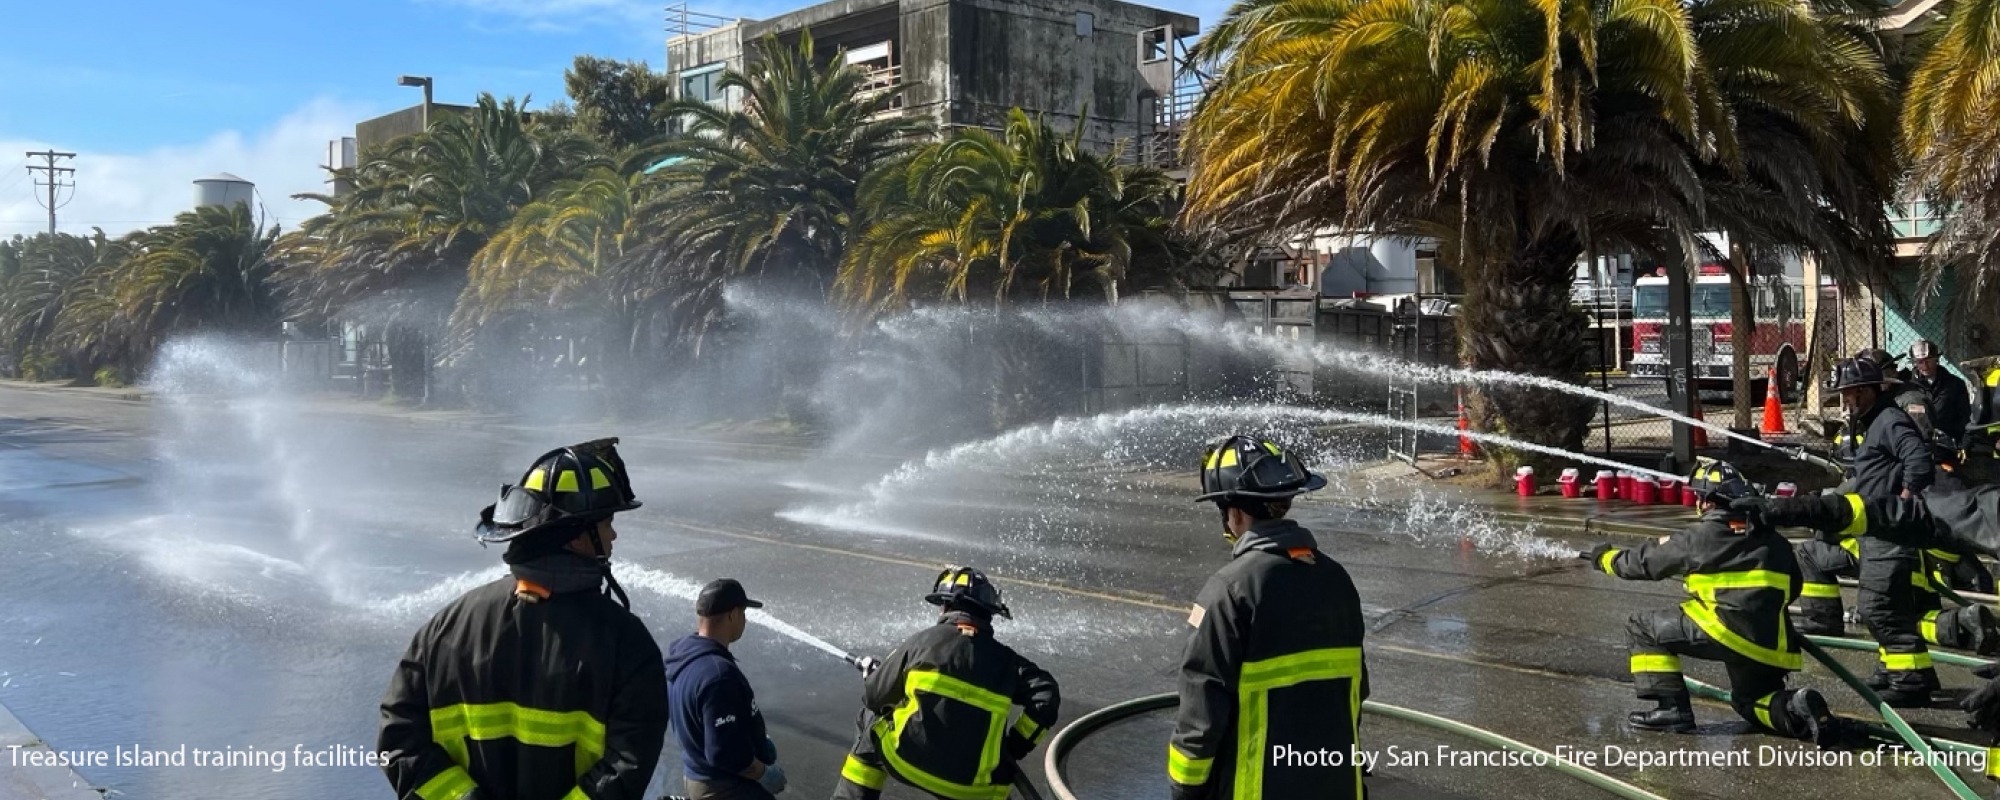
pixel 223 189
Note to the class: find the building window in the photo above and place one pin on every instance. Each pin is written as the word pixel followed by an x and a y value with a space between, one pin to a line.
pixel 701 82
pixel 1086 23
pixel 1153 45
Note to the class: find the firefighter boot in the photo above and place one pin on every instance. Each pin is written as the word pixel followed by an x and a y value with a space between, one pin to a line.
pixel 1817 723
pixel 1910 688
pixel 1675 714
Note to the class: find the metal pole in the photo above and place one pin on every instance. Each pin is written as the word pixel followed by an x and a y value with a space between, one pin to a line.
pixel 1681 388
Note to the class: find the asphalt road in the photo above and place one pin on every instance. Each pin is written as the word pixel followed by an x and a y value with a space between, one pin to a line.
pixel 233 578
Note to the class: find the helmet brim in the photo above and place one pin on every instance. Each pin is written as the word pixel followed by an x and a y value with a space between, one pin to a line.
pixel 494 533
pixel 1314 482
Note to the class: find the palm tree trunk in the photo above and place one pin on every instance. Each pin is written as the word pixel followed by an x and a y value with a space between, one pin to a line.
pixel 1518 317
pixel 409 362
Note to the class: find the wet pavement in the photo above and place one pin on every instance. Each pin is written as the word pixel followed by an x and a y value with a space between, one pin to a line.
pixel 243 580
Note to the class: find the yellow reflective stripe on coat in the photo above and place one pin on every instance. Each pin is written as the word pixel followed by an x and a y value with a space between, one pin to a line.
pixel 859 772
pixel 1186 770
pixel 1821 590
pixel 1604 561
pixel 576 794
pixel 1783 657
pixel 451 726
pixel 1029 730
pixel 1905 662
pixel 1253 695
pixel 1763 708
pixel 996 706
pixel 1706 585
pixel 1655 662
pixel 1853 547
pixel 1857 517
pixel 1928 625
pixel 451 784
pixel 1993 762
pixel 1945 556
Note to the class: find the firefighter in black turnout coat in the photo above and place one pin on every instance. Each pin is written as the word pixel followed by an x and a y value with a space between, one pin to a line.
pixel 538 686
pixel 935 711
pixel 1274 669
pixel 1741 574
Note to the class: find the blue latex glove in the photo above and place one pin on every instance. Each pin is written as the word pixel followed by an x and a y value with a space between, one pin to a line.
pixel 773 780
pixel 768 752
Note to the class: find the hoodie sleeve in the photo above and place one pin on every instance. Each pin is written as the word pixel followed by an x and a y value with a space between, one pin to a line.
pixel 732 742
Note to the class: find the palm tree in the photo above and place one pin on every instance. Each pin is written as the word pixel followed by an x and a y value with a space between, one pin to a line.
pixel 1028 209
pixel 395 251
pixel 1515 134
pixel 1951 134
pixel 770 190
pixel 53 273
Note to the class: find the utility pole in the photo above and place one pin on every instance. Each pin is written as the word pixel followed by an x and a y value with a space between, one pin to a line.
pixel 53 180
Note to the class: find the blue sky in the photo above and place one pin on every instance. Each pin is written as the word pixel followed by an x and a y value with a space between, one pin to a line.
pixel 151 95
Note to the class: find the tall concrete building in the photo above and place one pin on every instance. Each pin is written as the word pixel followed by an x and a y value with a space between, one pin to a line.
pixel 1111 66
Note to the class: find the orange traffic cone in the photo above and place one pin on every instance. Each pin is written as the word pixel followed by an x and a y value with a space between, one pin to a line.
pixel 1464 424
pixel 1774 407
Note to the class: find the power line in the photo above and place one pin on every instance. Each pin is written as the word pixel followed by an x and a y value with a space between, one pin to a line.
pixel 54 181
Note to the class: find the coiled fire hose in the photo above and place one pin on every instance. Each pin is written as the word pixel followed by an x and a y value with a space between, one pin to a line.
pixel 1055 761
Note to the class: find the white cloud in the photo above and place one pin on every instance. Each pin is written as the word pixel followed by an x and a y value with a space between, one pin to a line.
pixel 120 192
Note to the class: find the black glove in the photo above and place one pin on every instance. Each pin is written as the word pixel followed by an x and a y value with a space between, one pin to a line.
pixel 1755 507
pixel 1983 708
pixel 1595 553
pixel 1989 671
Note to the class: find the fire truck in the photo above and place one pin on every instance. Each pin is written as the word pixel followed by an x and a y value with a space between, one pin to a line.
pixel 1779 341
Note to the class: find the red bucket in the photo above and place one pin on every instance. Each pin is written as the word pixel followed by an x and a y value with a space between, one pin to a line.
pixel 1524 481
pixel 1607 485
pixel 1627 485
pixel 1644 491
pixel 1687 496
pixel 1670 492
pixel 1571 483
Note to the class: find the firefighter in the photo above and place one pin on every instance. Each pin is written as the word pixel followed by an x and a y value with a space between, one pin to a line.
pixel 1982 457
pixel 935 711
pixel 1742 574
pixel 1950 399
pixel 1890 459
pixel 541 685
pixel 1276 654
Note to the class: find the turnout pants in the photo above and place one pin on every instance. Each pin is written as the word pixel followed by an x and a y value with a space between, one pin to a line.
pixel 1895 598
pixel 1823 564
pixel 1660 639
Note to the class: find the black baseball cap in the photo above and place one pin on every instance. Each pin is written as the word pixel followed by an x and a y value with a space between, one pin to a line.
pixel 722 596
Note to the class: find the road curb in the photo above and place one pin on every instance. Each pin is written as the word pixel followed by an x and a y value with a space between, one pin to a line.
pixel 24 782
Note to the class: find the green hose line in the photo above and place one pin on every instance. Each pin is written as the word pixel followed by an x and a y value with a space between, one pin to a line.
pixel 1056 759
pixel 1939 656
pixel 1889 715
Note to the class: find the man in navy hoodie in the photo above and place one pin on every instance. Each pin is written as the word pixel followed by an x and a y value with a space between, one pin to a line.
pixel 725 754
